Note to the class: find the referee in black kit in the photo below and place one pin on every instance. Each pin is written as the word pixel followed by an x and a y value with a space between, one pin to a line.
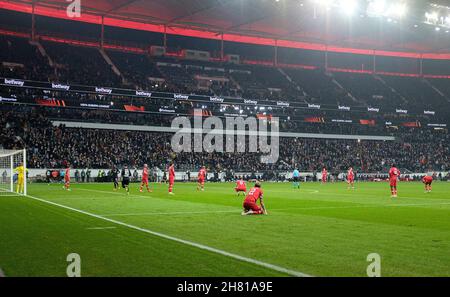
pixel 126 176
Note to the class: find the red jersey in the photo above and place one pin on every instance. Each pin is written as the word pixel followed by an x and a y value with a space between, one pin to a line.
pixel 427 179
pixel 394 173
pixel 254 195
pixel 67 174
pixel 240 184
pixel 202 174
pixel 172 172
pixel 324 172
pixel 145 173
pixel 350 174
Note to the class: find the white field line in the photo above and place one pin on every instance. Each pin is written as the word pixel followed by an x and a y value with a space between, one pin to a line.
pixel 100 228
pixel 275 209
pixel 186 242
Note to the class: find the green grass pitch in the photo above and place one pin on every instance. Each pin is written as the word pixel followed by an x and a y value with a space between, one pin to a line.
pixel 319 230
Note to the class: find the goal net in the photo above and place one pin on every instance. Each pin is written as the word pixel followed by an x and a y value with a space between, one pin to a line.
pixel 13 172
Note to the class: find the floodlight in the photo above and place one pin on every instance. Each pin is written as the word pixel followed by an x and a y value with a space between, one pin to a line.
pixel 324 3
pixel 397 10
pixel 348 6
pixel 447 21
pixel 377 7
pixel 432 17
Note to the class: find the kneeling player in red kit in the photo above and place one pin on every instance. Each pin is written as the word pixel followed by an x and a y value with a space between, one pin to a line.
pixel 394 174
pixel 240 187
pixel 427 180
pixel 250 206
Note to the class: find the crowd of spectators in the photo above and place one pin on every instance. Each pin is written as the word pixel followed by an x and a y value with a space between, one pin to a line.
pixel 50 146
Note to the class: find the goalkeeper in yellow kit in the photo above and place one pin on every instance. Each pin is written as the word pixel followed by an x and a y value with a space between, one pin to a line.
pixel 20 177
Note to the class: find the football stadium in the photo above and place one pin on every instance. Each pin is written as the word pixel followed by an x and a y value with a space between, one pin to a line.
pixel 224 138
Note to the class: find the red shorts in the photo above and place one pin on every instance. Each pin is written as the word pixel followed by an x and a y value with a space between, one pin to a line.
pixel 428 183
pixel 393 182
pixel 248 204
pixel 201 181
pixel 171 180
pixel 350 180
pixel 145 180
pixel 67 179
pixel 240 189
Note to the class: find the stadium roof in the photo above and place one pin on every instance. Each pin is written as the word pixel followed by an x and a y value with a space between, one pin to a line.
pixel 291 23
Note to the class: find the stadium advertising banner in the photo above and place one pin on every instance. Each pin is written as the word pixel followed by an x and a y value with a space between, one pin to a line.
pixel 315 120
pixel 165 109
pixel 437 125
pixel 342 121
pixel 373 109
pixel 95 105
pixel 7 99
pixel 108 91
pixel 344 108
pixel 134 108
pixel 51 102
pixel 367 122
pixel 415 124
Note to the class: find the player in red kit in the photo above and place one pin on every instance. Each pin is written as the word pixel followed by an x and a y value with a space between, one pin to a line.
pixel 394 174
pixel 427 180
pixel 67 178
pixel 145 179
pixel 201 179
pixel 241 187
pixel 324 175
pixel 351 178
pixel 171 177
pixel 250 206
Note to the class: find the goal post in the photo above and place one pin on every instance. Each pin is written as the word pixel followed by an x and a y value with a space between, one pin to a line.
pixel 13 172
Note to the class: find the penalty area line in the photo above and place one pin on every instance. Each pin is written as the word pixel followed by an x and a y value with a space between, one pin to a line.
pixel 186 242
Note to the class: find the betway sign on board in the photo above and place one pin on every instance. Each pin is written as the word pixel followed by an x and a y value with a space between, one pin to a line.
pixel 60 86
pixel 14 82
pixel 103 90
pixel 143 94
